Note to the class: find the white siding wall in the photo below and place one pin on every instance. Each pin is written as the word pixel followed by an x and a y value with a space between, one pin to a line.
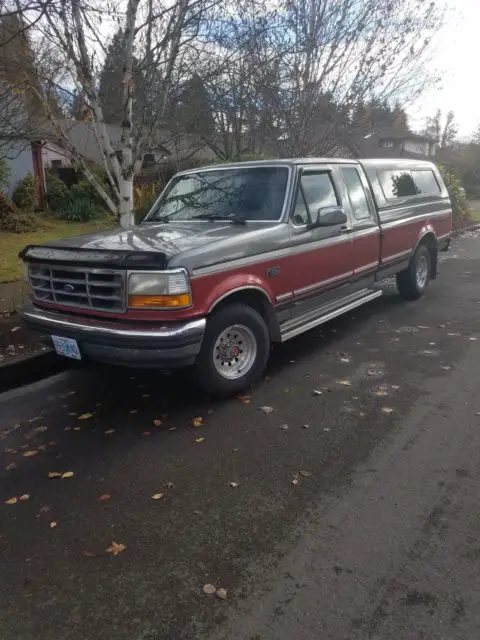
pixel 20 162
pixel 416 147
pixel 50 152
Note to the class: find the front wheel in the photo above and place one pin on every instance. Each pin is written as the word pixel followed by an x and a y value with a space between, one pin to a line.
pixel 234 351
pixel 412 282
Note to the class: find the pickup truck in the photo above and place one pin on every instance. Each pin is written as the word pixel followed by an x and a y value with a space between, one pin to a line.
pixel 234 258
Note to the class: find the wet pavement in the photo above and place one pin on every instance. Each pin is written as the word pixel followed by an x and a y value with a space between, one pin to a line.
pixel 349 511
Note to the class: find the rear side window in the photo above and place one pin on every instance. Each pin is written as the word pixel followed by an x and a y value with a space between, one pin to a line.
pixel 397 184
pixel 356 193
pixel 425 181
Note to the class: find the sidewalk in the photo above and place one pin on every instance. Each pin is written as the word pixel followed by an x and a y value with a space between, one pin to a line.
pixel 13 295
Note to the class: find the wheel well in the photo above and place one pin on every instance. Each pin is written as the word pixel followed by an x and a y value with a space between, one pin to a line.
pixel 257 300
pixel 429 240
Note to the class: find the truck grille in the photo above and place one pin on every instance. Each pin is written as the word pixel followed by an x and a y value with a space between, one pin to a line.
pixel 100 289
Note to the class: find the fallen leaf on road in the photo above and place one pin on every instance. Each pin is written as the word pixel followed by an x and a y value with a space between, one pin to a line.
pixel 173 429
pixel 197 422
pixel 209 589
pixel 345 360
pixel 387 410
pixel 267 409
pixel 35 419
pixel 11 501
pixel 305 426
pixel 381 393
pixel 116 548
pixel 85 416
pixel 146 433
pixel 453 334
pixel 145 395
pixel 395 387
pixel 422 327
pixel 445 367
pixel 199 440
pixel 68 474
pixel 67 428
pixel 170 485
pixel 134 411
pixel 45 509
pixel 345 383
pixel 221 594
pixel 234 485
pixel 473 339
pixel 104 497
pixel 11 466
pixel 316 392
pixel 24 497
pixel 284 427
pixel 13 329
pixel 40 429
pixel 157 422
pixel 77 428
pixel 244 398
pixel 54 474
pixel 157 496
pixel 305 474
pixel 109 432
pixel 53 524
pixel 326 428
pixel 30 453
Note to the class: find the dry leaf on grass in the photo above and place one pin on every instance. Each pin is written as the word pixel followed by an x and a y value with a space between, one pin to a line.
pixel 115 548
pixel 85 416
pixel 209 589
pixel 13 500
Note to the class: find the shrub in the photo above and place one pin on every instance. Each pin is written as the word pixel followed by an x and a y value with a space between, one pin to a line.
pixel 57 193
pixel 25 194
pixel 79 209
pixel 144 198
pixel 460 212
pixel 4 173
pixel 14 221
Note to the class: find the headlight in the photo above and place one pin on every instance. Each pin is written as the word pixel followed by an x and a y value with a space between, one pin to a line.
pixel 159 290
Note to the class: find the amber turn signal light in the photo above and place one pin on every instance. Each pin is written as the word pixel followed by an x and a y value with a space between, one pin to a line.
pixel 159 302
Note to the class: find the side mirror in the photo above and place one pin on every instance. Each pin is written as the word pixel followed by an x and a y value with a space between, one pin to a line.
pixel 331 217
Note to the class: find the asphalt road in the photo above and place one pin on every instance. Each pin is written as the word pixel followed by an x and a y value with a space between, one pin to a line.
pixel 353 514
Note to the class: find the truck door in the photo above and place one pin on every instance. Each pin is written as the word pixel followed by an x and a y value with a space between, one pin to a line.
pixel 365 228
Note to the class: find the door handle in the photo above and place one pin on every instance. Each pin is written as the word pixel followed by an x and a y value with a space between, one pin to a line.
pixel 345 229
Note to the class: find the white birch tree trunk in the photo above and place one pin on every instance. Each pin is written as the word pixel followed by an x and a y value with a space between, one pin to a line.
pixel 127 216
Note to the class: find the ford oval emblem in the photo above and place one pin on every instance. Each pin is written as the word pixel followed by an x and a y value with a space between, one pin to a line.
pixel 68 288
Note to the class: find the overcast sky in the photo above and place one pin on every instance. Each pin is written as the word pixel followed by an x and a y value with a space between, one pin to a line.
pixel 456 55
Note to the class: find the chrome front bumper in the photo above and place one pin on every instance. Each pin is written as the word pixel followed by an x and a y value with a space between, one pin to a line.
pixel 139 344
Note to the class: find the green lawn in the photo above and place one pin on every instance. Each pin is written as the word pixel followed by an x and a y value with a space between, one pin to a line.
pixel 12 243
pixel 475 214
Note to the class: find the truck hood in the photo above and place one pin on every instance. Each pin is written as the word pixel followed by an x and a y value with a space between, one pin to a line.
pixel 168 239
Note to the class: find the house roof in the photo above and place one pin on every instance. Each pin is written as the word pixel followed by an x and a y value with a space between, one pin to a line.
pixel 397 134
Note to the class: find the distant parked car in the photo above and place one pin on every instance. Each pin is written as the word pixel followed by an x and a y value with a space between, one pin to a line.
pixel 236 257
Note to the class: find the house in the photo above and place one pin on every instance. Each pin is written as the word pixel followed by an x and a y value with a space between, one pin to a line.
pixel 45 149
pixel 388 142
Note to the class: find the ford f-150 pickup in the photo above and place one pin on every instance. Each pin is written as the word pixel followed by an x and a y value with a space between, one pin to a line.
pixel 234 258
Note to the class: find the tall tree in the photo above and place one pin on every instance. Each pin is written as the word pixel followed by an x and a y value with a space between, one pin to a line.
pixel 442 130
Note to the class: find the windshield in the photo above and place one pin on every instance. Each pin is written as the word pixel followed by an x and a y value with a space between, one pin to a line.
pixel 254 193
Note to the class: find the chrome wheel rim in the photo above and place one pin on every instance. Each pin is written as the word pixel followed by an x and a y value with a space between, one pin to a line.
pixel 234 352
pixel 422 272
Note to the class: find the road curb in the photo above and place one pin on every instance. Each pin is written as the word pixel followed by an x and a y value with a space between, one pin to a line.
pixel 471 227
pixel 30 368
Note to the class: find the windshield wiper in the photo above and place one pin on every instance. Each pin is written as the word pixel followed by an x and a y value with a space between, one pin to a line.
pixel 217 216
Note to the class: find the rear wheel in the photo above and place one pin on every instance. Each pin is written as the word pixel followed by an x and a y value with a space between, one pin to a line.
pixel 234 350
pixel 412 282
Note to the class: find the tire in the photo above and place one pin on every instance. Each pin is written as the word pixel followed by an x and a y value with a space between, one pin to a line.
pixel 412 282
pixel 227 331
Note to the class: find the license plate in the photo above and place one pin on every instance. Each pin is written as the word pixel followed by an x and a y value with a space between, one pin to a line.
pixel 66 347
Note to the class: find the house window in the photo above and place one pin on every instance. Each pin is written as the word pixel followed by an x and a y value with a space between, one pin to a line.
pixel 56 164
pixel 386 143
pixel 148 160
